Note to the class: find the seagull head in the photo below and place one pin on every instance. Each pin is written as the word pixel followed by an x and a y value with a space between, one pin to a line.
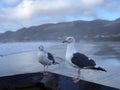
pixel 41 48
pixel 68 40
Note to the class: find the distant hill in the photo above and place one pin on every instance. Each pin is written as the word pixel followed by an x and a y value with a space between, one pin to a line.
pixel 87 30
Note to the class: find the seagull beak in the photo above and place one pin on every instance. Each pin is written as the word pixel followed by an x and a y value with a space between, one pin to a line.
pixel 64 41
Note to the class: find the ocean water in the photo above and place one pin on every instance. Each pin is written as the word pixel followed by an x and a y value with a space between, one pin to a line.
pixel 19 47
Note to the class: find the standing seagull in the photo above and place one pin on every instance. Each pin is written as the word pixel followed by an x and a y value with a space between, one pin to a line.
pixel 45 58
pixel 78 60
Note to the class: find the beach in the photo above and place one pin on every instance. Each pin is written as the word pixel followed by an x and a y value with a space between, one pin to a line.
pixel 106 55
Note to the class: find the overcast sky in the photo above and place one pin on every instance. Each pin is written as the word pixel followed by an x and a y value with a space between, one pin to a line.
pixel 15 14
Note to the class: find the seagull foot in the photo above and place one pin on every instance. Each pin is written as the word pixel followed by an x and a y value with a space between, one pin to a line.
pixel 76 80
pixel 45 73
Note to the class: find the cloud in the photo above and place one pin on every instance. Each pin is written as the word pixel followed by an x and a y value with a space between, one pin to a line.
pixel 112 5
pixel 28 9
pixel 92 3
pixel 31 12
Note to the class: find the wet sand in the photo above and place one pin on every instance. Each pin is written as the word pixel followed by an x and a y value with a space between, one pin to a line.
pixel 28 63
pixel 106 55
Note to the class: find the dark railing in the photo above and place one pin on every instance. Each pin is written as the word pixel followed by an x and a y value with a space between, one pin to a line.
pixel 37 81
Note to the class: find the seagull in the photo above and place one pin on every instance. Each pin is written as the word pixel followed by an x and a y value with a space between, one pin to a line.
pixel 77 59
pixel 45 58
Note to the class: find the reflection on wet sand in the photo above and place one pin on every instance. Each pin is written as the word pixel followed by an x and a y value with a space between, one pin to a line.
pixel 105 50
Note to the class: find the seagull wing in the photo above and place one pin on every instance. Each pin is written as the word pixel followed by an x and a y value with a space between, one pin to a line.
pixel 50 57
pixel 82 60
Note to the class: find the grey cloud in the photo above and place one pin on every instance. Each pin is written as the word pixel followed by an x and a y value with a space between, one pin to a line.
pixel 26 12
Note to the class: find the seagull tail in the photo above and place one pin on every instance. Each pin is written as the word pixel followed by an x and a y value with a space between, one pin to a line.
pixel 98 68
pixel 55 63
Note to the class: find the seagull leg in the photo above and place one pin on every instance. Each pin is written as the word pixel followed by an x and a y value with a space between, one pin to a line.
pixel 77 79
pixel 45 70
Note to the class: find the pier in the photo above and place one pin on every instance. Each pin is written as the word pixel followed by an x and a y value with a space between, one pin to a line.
pixel 52 81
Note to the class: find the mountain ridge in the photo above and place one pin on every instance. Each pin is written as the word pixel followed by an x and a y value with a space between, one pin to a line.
pixel 53 31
